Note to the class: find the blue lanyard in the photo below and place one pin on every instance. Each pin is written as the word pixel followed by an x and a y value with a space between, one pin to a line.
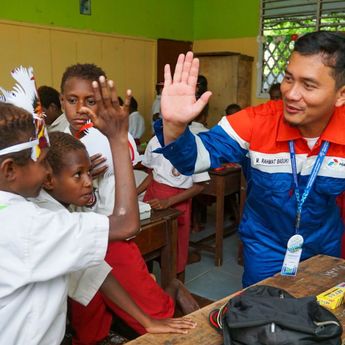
pixel 312 178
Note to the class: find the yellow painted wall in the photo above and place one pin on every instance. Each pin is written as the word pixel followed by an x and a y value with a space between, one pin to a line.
pixel 130 62
pixel 246 46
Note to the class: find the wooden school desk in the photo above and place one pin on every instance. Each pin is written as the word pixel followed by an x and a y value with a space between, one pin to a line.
pixel 315 275
pixel 223 182
pixel 158 238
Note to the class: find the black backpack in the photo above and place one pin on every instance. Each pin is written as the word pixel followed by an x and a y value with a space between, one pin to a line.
pixel 265 315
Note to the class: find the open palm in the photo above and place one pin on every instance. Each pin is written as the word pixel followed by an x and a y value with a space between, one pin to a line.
pixel 178 103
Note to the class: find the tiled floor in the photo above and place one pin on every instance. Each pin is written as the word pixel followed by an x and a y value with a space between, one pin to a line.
pixel 207 280
pixel 204 278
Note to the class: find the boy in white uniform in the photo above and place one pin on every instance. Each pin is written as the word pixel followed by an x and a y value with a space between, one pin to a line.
pixel 124 256
pixel 40 248
pixel 166 187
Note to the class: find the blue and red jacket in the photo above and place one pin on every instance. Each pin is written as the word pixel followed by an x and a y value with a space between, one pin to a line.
pixel 257 137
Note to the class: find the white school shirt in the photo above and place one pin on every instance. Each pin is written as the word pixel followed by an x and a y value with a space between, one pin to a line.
pixel 164 172
pixel 39 248
pixel 83 284
pixel 197 127
pixel 136 125
pixel 59 124
pixel 96 142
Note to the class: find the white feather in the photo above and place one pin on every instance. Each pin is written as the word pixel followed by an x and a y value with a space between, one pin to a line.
pixel 24 91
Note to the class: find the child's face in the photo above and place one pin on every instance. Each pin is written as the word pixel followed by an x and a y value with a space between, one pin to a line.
pixel 73 184
pixel 77 93
pixel 31 176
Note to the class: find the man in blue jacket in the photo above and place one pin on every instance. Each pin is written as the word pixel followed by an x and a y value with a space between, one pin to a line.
pixel 294 149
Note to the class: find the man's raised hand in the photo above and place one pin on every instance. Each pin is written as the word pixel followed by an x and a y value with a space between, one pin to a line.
pixel 178 104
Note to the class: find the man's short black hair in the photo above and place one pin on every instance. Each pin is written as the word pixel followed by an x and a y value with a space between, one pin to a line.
pixel 331 45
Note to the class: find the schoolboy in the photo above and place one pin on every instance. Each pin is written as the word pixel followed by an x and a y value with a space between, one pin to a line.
pixel 124 256
pixel 166 187
pixel 40 248
pixel 296 149
pixel 55 120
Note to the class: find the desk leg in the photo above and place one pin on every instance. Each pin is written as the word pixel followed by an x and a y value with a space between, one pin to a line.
pixel 219 222
pixel 168 253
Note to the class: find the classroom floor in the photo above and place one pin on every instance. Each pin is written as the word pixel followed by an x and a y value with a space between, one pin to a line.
pixel 207 280
pixel 203 278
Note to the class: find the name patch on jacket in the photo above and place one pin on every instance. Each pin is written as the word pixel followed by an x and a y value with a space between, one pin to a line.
pixel 271 161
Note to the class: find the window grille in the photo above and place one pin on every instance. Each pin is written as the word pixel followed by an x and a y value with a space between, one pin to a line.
pixel 281 23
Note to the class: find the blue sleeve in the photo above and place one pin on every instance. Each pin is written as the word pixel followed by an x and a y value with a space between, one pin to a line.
pixel 185 152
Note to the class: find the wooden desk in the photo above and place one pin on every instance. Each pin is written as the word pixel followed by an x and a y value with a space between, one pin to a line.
pixel 315 276
pixel 222 183
pixel 158 238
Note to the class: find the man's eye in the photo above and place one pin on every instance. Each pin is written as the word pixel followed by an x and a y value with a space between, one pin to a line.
pixel 309 86
pixel 77 175
pixel 287 78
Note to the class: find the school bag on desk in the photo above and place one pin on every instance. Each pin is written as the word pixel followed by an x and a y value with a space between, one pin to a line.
pixel 266 315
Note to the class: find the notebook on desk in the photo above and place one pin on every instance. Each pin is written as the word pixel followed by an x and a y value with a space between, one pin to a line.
pixel 144 210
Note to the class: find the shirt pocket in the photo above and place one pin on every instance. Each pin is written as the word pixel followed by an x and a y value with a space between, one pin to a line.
pixel 329 186
pixel 272 189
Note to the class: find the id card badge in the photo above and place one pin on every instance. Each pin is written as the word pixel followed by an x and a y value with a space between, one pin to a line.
pixel 292 256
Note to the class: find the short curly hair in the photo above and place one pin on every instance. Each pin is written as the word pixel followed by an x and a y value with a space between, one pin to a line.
pixel 60 144
pixel 48 95
pixel 86 71
pixel 16 126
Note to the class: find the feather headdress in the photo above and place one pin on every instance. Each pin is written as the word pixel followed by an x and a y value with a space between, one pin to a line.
pixel 24 95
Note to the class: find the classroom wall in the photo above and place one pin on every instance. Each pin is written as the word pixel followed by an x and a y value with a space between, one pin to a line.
pixel 247 46
pixel 145 18
pixel 235 26
pixel 225 19
pixel 121 37
pixel 130 61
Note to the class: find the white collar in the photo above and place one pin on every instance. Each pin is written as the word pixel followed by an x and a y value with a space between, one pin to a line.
pixel 8 197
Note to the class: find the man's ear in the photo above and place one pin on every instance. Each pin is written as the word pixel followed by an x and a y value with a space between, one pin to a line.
pixel 49 182
pixel 8 169
pixel 340 97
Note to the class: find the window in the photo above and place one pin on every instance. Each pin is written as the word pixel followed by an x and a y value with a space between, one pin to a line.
pixel 281 22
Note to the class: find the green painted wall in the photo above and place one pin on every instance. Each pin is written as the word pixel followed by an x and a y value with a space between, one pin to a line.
pixel 144 18
pixel 174 19
pixel 226 18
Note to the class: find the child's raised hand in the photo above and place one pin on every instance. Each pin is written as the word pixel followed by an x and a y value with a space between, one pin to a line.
pixel 111 118
pixel 178 325
pixel 98 168
pixel 178 103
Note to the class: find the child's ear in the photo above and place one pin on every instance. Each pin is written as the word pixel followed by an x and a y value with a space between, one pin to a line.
pixel 48 183
pixel 8 169
pixel 62 98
